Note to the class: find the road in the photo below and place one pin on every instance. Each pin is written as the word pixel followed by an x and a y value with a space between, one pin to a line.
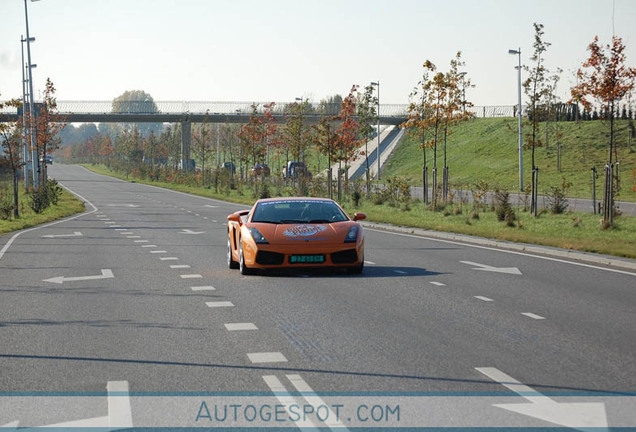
pixel 136 293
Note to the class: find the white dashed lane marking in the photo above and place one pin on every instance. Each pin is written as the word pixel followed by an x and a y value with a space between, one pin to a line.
pixel 180 266
pixel 267 357
pixel 437 284
pixel 240 326
pixel 149 246
pixel 157 251
pixel 482 298
pixel 533 316
pixel 141 241
pixel 217 304
pixel 203 288
pixel 191 276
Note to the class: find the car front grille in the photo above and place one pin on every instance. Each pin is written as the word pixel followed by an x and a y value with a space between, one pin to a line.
pixel 269 258
pixel 344 257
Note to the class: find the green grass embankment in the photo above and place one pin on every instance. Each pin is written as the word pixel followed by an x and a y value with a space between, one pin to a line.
pixel 487 150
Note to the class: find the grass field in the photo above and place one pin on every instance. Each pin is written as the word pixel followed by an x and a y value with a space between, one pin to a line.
pixel 486 150
pixel 68 205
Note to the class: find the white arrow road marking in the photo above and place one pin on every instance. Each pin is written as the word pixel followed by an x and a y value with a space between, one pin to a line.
pixel 484 267
pixel 106 274
pixel 578 415
pixel 119 413
pixel 75 234
pixel 187 231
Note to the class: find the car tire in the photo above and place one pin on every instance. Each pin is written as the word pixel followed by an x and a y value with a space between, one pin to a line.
pixel 230 261
pixel 245 270
pixel 357 269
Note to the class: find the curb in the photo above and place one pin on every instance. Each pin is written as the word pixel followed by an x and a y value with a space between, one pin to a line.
pixel 587 257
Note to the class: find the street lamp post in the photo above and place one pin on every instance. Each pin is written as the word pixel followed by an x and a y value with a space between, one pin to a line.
pixel 25 145
pixel 519 112
pixel 378 113
pixel 32 123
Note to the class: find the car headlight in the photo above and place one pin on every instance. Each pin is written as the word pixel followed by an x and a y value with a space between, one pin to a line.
pixel 257 236
pixel 352 235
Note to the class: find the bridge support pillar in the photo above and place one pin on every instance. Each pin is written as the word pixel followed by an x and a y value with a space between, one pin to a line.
pixel 186 128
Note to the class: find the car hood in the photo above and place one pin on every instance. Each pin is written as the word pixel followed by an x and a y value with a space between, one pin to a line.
pixel 286 234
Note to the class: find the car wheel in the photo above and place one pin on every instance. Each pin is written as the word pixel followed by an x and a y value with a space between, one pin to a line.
pixel 230 261
pixel 245 271
pixel 357 269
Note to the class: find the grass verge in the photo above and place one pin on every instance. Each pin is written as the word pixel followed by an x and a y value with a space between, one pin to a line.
pixel 68 205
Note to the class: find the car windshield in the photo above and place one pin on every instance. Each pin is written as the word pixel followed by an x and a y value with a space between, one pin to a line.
pixel 298 211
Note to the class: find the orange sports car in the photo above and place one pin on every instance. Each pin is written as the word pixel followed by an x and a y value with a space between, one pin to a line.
pixel 294 232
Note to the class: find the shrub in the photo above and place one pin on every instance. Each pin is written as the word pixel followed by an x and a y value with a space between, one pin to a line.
pixel 6 205
pixel 557 202
pixel 503 209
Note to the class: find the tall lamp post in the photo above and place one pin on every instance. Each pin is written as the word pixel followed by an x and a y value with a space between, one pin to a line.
pixel 25 131
pixel 519 112
pixel 32 125
pixel 378 113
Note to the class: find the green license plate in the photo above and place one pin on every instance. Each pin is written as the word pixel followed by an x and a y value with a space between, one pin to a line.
pixel 306 259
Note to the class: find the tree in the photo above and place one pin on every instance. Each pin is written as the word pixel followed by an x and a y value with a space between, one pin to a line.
pixel 346 144
pixel 49 124
pixel 367 116
pixel 136 102
pixel 606 79
pixel 296 135
pixel 10 135
pixel 536 87
pixel 203 146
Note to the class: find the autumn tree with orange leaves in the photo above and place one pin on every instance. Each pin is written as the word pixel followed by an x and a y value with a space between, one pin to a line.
pixel 49 124
pixel 10 136
pixel 347 132
pixel 605 80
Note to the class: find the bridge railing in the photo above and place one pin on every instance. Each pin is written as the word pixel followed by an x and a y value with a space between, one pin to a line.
pixel 242 108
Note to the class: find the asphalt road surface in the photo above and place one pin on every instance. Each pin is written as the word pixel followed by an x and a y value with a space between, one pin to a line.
pixel 134 296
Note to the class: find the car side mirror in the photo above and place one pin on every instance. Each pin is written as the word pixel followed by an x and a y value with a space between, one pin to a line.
pixel 234 217
pixel 359 216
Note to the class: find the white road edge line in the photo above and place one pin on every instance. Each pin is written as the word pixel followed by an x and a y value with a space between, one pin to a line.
pixel 6 247
pixel 504 251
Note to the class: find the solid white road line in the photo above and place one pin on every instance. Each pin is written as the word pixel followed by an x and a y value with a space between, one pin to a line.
pixel 533 316
pixel 203 288
pixel 179 266
pixel 191 276
pixel 288 401
pixel 316 401
pixel 267 357
pixel 169 259
pixel 240 326
pixel 216 304
pixel 482 298
pixel 437 284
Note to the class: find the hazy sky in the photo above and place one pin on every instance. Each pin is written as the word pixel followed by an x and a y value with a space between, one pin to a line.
pixel 276 50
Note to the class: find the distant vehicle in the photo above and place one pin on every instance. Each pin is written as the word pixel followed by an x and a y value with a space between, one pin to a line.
pixel 48 159
pixel 292 233
pixel 293 170
pixel 260 169
pixel 230 167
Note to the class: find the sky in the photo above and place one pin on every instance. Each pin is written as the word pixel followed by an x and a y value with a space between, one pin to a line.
pixel 279 50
